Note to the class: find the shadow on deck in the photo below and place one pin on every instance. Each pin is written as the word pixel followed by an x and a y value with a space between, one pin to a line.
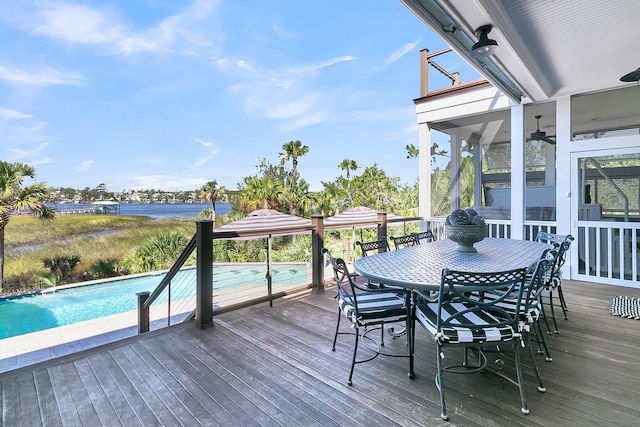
pixel 274 366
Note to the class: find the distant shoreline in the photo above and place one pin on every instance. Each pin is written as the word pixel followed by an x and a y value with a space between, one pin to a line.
pixel 154 210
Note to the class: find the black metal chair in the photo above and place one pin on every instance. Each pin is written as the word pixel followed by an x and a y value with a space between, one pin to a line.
pixel 533 309
pixel 461 319
pixel 404 241
pixel 553 279
pixel 368 248
pixel 426 236
pixel 365 308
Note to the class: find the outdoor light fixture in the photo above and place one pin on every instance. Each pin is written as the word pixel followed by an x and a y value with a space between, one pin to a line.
pixel 633 76
pixel 485 46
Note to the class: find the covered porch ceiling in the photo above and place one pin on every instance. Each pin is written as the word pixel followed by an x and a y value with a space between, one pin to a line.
pixel 547 48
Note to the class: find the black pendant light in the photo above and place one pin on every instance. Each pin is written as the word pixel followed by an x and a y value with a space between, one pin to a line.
pixel 485 46
pixel 633 76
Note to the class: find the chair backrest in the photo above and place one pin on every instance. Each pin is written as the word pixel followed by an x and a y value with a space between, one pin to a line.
pixel 427 236
pixel 539 272
pixel 380 245
pixel 466 289
pixel 561 244
pixel 404 241
pixel 346 285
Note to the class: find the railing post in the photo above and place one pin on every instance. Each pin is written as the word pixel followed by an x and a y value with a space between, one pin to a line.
pixel 317 259
pixel 143 314
pixel 204 274
pixel 382 227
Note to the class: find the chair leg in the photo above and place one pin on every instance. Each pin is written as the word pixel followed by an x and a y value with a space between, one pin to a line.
pixel 355 352
pixel 523 399
pixel 440 384
pixel 542 341
pixel 411 337
pixel 535 365
pixel 563 303
pixel 544 316
pixel 553 313
pixel 335 337
pixel 408 329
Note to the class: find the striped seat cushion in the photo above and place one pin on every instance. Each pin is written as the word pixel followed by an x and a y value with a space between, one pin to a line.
pixel 374 307
pixel 528 315
pixel 482 331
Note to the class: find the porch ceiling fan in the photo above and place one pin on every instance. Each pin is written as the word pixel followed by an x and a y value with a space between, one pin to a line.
pixel 539 135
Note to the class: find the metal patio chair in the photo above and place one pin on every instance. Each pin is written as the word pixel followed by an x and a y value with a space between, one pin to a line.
pixel 369 248
pixel 367 309
pixel 404 241
pixel 426 236
pixel 533 309
pixel 553 279
pixel 461 320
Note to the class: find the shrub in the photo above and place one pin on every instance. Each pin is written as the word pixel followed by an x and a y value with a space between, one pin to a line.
pixel 104 268
pixel 62 265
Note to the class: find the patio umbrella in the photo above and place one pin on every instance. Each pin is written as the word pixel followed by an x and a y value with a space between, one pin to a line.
pixel 358 217
pixel 265 223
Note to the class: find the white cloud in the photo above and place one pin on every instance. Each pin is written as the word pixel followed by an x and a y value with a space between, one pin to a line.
pixel 7 114
pixel 39 76
pixel 84 166
pixel 312 68
pixel 19 153
pixel 205 143
pixel 41 161
pixel 80 24
pixel 76 23
pixel 201 161
pixel 304 121
pixel 395 56
pixel 282 94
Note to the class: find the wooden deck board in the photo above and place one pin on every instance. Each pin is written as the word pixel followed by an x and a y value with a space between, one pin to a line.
pixel 274 366
pixel 47 405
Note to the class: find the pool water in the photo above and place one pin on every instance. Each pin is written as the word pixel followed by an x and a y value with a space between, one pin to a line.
pixel 68 306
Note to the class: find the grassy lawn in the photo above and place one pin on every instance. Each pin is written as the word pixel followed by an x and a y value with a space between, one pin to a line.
pixel 68 235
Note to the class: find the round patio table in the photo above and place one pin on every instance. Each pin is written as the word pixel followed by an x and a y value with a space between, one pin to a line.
pixel 420 267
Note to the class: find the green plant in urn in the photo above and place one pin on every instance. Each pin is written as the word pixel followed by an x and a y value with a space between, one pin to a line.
pixel 465 227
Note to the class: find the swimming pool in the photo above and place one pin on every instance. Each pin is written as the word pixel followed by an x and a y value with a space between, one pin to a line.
pixel 72 305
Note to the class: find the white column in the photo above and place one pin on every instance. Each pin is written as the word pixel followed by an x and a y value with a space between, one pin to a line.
pixel 517 172
pixel 424 171
pixel 455 172
pixel 563 163
pixel 477 175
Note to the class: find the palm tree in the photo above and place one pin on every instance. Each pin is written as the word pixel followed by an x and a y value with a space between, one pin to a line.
pixel 261 193
pixel 324 202
pixel 293 150
pixel 211 192
pixel 295 195
pixel 348 166
pixel 16 198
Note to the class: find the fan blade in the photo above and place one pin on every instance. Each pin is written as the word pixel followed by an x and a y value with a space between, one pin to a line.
pixel 549 141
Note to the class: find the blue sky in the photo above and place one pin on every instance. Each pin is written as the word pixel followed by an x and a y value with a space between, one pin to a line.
pixel 169 94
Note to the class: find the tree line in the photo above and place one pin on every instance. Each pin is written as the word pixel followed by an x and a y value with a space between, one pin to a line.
pixel 275 185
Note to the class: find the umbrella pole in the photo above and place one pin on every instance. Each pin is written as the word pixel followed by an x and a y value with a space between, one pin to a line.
pixel 269 283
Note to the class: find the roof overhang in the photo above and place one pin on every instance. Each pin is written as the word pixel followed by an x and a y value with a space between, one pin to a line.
pixel 547 49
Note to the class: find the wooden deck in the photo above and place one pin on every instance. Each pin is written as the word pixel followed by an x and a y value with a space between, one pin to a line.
pixel 274 366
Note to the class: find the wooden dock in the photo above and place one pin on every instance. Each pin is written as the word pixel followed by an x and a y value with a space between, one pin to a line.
pixel 274 366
